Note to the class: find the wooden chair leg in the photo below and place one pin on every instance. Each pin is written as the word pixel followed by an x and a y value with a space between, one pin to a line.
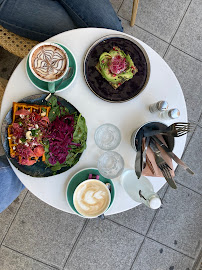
pixel 134 12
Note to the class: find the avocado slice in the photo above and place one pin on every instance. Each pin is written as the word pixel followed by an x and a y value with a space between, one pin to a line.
pixel 103 66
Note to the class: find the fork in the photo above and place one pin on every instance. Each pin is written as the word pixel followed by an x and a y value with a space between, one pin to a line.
pixel 166 173
pixel 163 166
pixel 175 130
pixel 180 125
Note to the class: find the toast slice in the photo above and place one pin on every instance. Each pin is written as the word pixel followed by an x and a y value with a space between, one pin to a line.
pixel 116 67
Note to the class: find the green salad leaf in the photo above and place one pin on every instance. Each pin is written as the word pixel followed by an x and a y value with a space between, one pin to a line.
pixel 78 144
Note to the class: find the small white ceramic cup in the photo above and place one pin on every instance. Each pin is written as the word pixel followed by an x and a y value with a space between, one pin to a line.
pixel 51 83
pixel 75 195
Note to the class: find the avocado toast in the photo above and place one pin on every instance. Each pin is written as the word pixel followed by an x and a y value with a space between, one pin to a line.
pixel 116 67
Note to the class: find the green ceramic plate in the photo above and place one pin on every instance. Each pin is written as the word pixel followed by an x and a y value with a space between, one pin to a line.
pixel 78 178
pixel 44 85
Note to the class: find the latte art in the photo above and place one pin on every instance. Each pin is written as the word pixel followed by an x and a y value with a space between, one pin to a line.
pixel 49 62
pixel 91 198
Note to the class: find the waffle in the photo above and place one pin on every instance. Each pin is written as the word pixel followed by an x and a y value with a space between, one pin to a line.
pixel 32 108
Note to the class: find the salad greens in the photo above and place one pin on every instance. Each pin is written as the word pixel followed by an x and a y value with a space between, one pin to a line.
pixel 66 137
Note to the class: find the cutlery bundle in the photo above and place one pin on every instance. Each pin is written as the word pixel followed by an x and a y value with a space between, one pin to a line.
pixel 149 139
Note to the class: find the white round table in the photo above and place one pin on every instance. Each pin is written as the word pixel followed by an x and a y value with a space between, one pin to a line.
pixel 128 116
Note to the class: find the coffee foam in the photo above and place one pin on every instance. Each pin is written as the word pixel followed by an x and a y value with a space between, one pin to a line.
pixel 49 62
pixel 91 198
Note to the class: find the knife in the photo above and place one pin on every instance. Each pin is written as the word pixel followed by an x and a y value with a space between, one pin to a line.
pixel 159 160
pixel 138 160
pixel 172 155
pixel 144 158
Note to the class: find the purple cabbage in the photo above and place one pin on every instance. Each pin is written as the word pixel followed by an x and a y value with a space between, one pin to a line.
pixel 60 136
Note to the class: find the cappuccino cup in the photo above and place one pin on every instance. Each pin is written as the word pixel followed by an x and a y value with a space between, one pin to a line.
pixel 91 198
pixel 49 62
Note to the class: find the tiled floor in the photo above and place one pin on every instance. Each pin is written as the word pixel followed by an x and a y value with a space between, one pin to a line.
pixel 36 236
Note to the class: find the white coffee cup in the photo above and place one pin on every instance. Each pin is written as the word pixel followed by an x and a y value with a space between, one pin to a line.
pixel 45 58
pixel 91 198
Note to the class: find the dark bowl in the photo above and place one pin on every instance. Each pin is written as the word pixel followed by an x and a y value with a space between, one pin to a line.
pixel 170 141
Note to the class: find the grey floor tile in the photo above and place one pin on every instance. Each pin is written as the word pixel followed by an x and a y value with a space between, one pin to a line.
pixel 8 214
pixel 104 245
pixel 7 63
pixel 200 121
pixel 188 71
pixel 189 35
pixel 198 262
pixel 11 260
pixel 43 232
pixel 179 223
pixel 116 4
pixel 190 134
pixel 192 157
pixel 138 218
pixel 155 43
pixel 156 256
pixel 160 18
pixel 199 266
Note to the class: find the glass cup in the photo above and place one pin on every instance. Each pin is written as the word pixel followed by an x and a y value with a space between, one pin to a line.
pixel 110 164
pixel 107 137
